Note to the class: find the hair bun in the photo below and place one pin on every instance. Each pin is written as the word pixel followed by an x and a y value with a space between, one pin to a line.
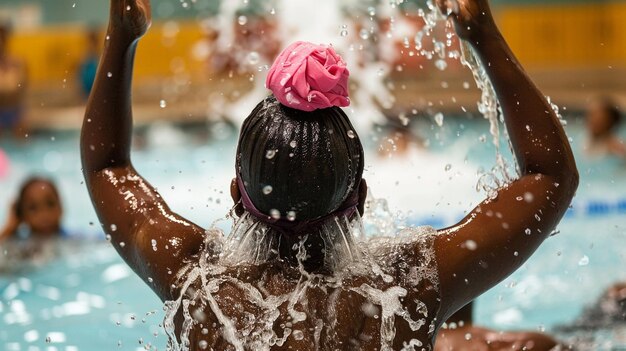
pixel 308 77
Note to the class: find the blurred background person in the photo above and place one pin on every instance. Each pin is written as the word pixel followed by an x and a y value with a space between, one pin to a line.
pixel 36 213
pixel 13 81
pixel 398 139
pixel 89 64
pixel 607 311
pixel 603 121
pixel 462 335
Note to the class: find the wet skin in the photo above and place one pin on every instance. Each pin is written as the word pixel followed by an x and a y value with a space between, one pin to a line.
pixel 126 202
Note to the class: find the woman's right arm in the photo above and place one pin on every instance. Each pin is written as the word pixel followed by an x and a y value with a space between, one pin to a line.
pixel 500 234
pixel 152 239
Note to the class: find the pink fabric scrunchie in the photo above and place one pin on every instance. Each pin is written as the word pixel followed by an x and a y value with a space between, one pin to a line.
pixel 308 77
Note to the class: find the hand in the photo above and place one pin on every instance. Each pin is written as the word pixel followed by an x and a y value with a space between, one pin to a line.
pixel 472 18
pixel 132 17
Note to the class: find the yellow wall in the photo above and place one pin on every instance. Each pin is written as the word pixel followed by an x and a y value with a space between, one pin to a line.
pixel 541 35
pixel 571 36
pixel 53 54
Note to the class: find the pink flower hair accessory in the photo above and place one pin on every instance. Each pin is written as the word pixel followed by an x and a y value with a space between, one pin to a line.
pixel 308 77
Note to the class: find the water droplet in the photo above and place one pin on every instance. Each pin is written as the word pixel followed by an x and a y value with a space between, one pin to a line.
pixel 163 104
pixel 448 167
pixel 291 216
pixel 439 119
pixel 298 334
pixel 293 143
pixel 529 197
pixel 527 231
pixel 344 31
pixel 275 214
pixel 122 244
pixel 267 189
pixel 270 154
pixel 351 134
pixel 203 344
pixel 273 11
pixel 242 20
pixel 583 261
pixel 254 58
pixel 364 34
pixel 441 65
pixel 371 11
pixel 468 336
pixel 113 227
pixel 109 74
pixel 471 245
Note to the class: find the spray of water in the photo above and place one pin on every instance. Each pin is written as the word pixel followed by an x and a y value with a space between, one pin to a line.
pixel 352 248
pixel 488 106
pixel 348 255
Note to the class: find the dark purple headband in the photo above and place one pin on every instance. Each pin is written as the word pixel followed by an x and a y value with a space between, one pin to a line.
pixel 288 227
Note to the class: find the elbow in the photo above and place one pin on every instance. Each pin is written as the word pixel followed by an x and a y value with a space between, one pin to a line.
pixel 569 179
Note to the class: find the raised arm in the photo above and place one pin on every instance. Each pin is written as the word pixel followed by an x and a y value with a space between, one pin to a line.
pixel 499 235
pixel 153 240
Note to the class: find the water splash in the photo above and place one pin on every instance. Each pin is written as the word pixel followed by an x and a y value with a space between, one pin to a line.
pixel 488 106
pixel 210 286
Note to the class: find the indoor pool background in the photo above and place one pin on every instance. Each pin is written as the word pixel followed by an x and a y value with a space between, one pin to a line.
pixel 88 299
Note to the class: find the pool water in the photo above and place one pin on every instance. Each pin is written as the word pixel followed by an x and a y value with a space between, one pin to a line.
pixel 83 297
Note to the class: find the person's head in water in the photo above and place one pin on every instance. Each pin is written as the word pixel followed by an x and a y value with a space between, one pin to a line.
pixel 603 118
pixel 39 206
pixel 299 159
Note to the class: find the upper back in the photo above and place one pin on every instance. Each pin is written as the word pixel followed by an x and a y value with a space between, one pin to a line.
pixel 389 306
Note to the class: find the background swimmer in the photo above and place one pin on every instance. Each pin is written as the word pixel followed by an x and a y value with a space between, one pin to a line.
pixel 37 207
pixel 13 81
pixel 603 120
pixel 289 297
pixel 463 335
